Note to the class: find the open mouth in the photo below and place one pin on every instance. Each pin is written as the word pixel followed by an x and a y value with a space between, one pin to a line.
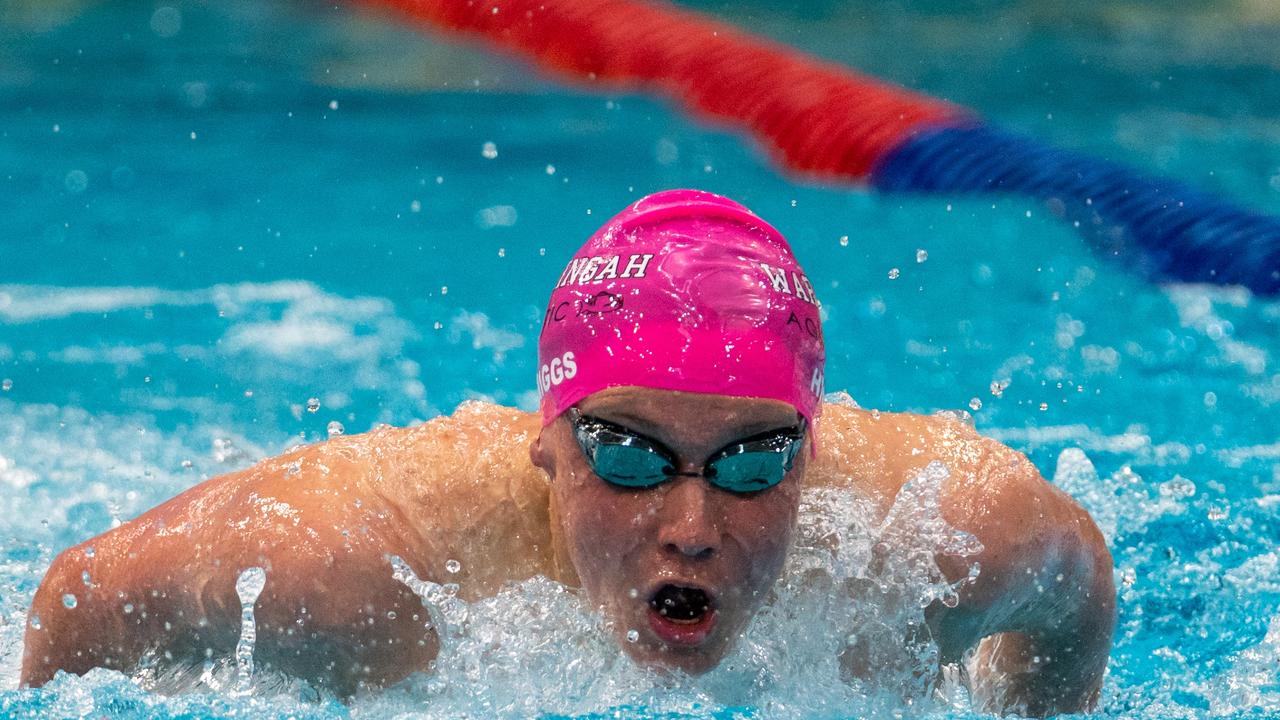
pixel 681 615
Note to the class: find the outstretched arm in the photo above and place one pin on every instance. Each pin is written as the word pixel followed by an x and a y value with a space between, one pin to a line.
pixel 164 583
pixel 1042 609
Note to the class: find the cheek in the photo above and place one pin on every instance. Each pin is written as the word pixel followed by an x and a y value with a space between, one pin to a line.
pixel 602 530
pixel 764 533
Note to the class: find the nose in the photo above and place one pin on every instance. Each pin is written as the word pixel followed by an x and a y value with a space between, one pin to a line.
pixel 689 524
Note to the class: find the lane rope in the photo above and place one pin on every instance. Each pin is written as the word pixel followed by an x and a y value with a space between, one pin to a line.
pixel 821 119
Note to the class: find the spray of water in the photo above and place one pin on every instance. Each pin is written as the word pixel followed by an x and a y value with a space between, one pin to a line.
pixel 843 631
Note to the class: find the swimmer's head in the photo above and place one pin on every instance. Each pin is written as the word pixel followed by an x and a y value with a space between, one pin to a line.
pixel 680 364
pixel 686 291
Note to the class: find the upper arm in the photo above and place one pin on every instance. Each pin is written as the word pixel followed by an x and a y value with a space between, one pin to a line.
pixel 1044 571
pixel 166 581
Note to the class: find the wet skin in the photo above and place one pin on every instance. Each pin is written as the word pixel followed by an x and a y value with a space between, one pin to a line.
pixel 625 544
pixel 323 519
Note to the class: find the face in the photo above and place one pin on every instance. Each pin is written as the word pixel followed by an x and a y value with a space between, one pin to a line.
pixel 684 564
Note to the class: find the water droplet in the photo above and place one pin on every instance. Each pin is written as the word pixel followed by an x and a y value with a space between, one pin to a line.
pixel 69 601
pixel 894 273
pixel 452 566
pixel 975 404
pixel 633 635
pixel 313 404
pixel 166 21
pixel 844 241
pixel 335 428
pixel 6 385
pixel 489 151
pixel 922 255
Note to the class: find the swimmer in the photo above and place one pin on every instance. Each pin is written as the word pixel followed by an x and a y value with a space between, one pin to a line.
pixel 681 379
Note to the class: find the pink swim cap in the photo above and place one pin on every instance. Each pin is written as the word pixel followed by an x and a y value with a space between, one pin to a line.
pixel 683 290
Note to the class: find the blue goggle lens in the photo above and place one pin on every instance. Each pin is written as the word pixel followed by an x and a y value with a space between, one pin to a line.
pixel 624 458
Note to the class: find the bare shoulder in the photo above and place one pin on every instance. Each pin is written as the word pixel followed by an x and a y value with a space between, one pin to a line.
pixel 466 484
pixel 879 452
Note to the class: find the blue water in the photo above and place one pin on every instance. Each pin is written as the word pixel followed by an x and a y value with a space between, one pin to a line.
pixel 212 213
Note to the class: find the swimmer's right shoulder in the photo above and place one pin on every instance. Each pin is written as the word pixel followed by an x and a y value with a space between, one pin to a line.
pixel 466 484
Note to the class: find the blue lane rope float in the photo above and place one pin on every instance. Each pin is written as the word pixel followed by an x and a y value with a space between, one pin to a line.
pixel 825 120
pixel 1173 231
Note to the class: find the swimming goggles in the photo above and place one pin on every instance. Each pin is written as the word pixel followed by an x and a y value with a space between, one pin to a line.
pixel 627 459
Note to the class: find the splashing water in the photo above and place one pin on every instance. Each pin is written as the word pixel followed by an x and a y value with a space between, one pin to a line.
pixel 249 586
pixel 538 647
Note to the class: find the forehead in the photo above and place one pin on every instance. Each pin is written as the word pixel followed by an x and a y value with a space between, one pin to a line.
pixel 668 414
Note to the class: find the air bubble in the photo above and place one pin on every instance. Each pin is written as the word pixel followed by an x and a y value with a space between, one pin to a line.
pixel 313 404
pixel 69 601
pixel 922 255
pixel 894 273
pixel 975 404
pixel 453 566
pixel 998 388
pixel 6 385
pixel 633 635
pixel 35 622
pixel 335 428
pixel 489 151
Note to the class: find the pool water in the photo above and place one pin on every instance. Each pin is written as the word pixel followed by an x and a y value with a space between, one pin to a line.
pixel 231 227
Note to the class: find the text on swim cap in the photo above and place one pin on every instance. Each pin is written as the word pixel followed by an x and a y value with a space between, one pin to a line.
pixel 815 382
pixel 598 268
pixel 799 285
pixel 557 371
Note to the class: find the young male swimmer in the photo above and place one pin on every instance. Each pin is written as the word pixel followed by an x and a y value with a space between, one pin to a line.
pixel 681 363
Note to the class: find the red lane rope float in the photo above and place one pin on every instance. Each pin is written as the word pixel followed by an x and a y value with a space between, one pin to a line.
pixel 817 118
pixel 826 120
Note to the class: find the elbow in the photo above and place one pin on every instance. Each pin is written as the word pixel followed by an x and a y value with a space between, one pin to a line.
pixel 65 627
